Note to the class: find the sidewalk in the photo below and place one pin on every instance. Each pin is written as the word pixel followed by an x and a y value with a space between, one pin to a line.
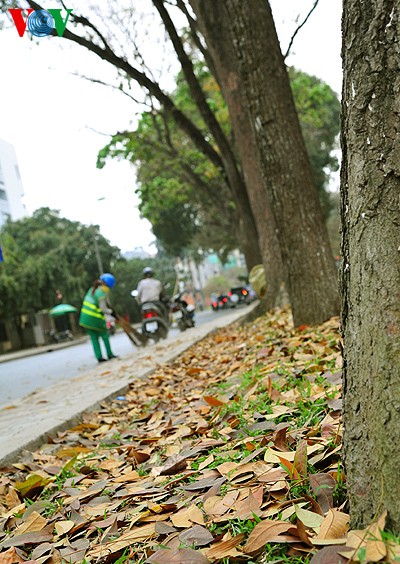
pixel 23 353
pixel 29 420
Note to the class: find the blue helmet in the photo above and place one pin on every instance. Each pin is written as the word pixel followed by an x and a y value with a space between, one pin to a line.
pixel 108 279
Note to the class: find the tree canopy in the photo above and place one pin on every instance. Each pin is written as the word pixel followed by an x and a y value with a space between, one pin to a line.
pixel 45 253
pixel 182 193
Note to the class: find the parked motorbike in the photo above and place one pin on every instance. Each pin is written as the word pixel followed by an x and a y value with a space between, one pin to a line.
pixel 182 312
pixel 60 336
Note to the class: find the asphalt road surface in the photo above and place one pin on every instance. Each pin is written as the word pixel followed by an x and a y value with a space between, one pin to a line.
pixel 21 376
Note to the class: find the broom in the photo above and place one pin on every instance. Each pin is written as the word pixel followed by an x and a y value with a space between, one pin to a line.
pixel 134 336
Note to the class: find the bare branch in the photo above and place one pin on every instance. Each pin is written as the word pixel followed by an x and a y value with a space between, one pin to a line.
pixel 299 28
pixel 153 88
pixel 196 38
pixel 108 85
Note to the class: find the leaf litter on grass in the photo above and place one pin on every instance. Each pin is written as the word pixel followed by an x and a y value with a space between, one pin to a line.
pixel 231 453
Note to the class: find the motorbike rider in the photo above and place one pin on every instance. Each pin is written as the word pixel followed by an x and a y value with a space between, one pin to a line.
pixel 94 309
pixel 151 290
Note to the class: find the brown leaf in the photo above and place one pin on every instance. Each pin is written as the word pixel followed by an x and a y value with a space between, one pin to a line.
pixel 36 537
pixel 10 556
pixel 300 459
pixel 173 465
pixel 196 536
pixel 126 539
pixel 138 455
pixel 75 552
pixel 329 555
pixel 186 517
pixel 263 532
pixel 334 526
pixel 323 486
pixel 214 402
pixel 226 548
pixel 35 522
pixel 178 556
pixel 280 440
pixel 247 507
pixel 290 467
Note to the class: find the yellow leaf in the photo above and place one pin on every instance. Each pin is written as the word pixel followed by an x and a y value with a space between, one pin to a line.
pixel 186 517
pixel 369 542
pixel 137 535
pixel 308 518
pixel 62 527
pixel 334 525
pixel 35 522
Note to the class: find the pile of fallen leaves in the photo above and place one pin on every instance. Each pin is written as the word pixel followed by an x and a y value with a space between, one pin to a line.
pixel 229 454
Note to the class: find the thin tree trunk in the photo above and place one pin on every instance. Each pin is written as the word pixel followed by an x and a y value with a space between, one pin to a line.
pixel 263 79
pixel 370 277
pixel 215 29
pixel 248 230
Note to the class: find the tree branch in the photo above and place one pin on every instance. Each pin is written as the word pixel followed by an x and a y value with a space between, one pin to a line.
pixel 299 28
pixel 183 122
pixel 195 36
pixel 194 85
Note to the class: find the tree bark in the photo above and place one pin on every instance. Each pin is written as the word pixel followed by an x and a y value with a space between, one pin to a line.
pixel 370 276
pixel 215 28
pixel 310 269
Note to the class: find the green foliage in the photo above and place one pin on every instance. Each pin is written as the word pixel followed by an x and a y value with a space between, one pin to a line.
pixel 182 194
pixel 318 108
pixel 45 253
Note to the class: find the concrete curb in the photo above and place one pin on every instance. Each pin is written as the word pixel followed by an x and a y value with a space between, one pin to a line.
pixel 92 377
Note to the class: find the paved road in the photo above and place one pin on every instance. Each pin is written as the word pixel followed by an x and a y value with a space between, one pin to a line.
pixel 20 377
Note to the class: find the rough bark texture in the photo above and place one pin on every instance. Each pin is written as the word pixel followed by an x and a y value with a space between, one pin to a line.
pixel 307 258
pixel 370 278
pixel 222 52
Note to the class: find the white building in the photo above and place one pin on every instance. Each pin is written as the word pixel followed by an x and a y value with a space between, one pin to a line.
pixel 11 189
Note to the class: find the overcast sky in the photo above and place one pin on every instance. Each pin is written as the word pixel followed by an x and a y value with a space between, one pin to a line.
pixel 57 122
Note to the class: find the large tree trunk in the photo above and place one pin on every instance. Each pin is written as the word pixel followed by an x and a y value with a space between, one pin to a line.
pixel 224 61
pixel 265 89
pixel 370 206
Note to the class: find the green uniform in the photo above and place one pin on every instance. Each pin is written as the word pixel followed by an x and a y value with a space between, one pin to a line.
pixel 91 315
pixel 94 321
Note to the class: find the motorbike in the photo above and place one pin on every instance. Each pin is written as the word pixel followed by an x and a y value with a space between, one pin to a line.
pixel 182 312
pixel 154 323
pixel 223 302
pixel 60 336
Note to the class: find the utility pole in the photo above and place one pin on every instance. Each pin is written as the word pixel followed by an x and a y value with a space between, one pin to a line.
pixel 97 253
pixel 96 247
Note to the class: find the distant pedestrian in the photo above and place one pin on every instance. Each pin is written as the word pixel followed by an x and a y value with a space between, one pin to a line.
pixel 94 309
